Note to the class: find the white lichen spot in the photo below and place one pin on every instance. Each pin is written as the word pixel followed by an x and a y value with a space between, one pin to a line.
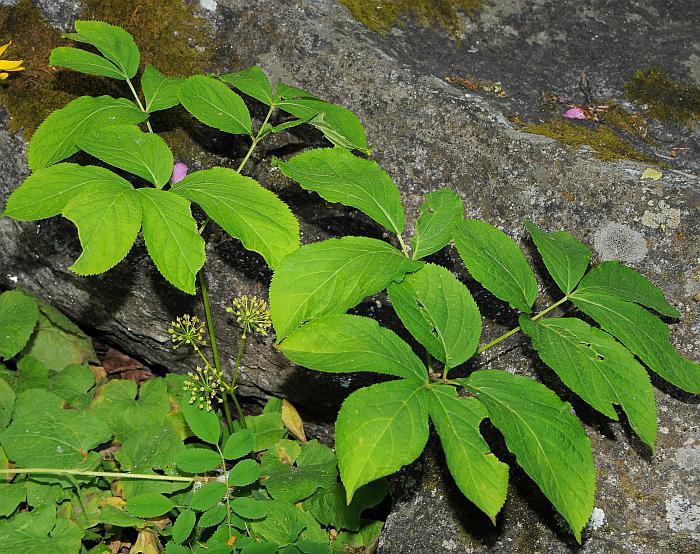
pixel 688 456
pixel 681 515
pixel 597 519
pixel 665 218
pixel 209 5
pixel 12 278
pixel 615 241
pixel 450 545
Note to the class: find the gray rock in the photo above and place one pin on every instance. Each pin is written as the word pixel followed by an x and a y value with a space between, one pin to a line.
pixel 428 134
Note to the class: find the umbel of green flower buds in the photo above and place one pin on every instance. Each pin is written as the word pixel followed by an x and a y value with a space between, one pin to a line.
pixel 205 385
pixel 187 329
pixel 252 314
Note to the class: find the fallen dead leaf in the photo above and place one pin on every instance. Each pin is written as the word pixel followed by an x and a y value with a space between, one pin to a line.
pixel 651 174
pixel 292 421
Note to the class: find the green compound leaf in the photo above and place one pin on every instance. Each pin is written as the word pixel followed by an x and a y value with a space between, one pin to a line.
pixel 338 124
pixel 18 317
pixel 289 92
pixel 244 473
pixel 197 460
pixel 239 444
pixel 267 429
pixel 108 218
pixel 208 495
pixel 149 505
pixel 31 374
pixel 40 532
pixel 120 518
pixel 152 446
pixel 7 403
pixel 85 62
pixel 625 283
pixel 439 312
pixel 253 82
pixel 47 192
pixel 366 538
pixel 331 276
pixel 245 210
pixel 113 42
pixel 117 405
pixel 57 342
pixel 346 343
pixel 494 260
pixel 565 257
pixel 339 176
pixel 480 476
pixel 283 524
pixel 202 423
pixel 547 440
pixel 73 384
pixel 47 436
pixel 55 138
pixel 379 430
pixel 212 517
pixel 284 480
pixel 329 507
pixel 643 333
pixel 214 104
pixel 183 526
pixel 597 368
pixel 441 211
pixel 11 496
pixel 248 508
pixel 171 236
pixel 159 91
pixel 129 148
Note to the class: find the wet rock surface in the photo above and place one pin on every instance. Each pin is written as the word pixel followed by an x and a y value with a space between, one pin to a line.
pixel 429 134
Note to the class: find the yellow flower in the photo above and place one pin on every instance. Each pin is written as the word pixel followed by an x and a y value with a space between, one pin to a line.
pixel 8 65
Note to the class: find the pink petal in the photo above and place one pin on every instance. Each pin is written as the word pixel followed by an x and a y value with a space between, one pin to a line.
pixel 575 113
pixel 179 172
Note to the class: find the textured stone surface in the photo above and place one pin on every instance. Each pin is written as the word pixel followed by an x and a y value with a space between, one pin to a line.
pixel 429 134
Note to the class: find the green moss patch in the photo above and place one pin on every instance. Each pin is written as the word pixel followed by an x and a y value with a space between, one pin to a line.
pixel 168 32
pixel 604 141
pixel 667 100
pixel 382 15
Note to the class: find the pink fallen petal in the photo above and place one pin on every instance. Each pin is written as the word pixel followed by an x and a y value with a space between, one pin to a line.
pixel 179 172
pixel 575 113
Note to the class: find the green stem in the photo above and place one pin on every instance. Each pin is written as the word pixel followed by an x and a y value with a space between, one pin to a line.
pixel 403 246
pixel 232 389
pixel 549 309
pixel 205 295
pixel 512 332
pixel 138 101
pixel 256 139
pixel 116 475
pixel 212 341
pixel 228 500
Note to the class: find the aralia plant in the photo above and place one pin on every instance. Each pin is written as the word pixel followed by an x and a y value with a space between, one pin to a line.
pixel 385 426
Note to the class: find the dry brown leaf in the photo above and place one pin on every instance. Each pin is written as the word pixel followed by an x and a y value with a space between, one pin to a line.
pixel 146 543
pixel 292 421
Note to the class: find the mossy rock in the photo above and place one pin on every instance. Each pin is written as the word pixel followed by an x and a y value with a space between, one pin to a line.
pixel 666 99
pixel 383 15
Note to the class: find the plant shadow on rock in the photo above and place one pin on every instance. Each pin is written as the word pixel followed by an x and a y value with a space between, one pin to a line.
pixel 525 502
